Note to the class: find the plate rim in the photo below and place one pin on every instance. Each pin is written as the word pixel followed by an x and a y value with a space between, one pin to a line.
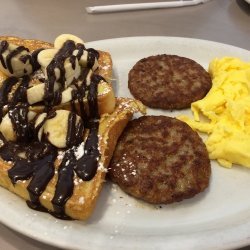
pixel 168 38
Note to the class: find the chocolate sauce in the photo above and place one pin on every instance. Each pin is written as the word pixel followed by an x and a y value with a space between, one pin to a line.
pixel 57 63
pixel 9 151
pixel 65 184
pixel 80 47
pixel 21 170
pixel 53 98
pixel 25 58
pixel 83 76
pixel 86 166
pixel 35 160
pixel 4 91
pixel 43 172
pixel 75 131
pixel 34 60
pixel 27 158
pixel 19 119
pixel 39 165
pixel 12 54
pixel 3 47
pixel 72 60
pixel 20 94
pixel 92 96
pixel 79 95
pixel 92 56
pixel 57 98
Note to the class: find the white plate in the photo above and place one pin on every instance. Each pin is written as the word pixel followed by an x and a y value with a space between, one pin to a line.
pixel 218 218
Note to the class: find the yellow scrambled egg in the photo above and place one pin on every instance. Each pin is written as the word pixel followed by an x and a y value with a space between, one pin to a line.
pixel 224 114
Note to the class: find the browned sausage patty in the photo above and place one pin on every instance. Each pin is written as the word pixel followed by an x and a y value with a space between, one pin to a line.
pixel 160 160
pixel 168 81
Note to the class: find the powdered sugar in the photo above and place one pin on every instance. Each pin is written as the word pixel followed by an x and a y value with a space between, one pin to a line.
pixel 81 200
pixel 79 151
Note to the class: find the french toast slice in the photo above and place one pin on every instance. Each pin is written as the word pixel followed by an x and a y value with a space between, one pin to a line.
pixel 55 154
pixel 106 97
pixel 82 202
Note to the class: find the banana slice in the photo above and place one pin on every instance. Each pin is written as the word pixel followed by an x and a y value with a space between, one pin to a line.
pixel 71 72
pixel 60 40
pixel 95 65
pixel 45 57
pixel 83 59
pixel 31 115
pixel 67 95
pixel 39 120
pixel 15 60
pixel 56 128
pixel 7 128
pixel 36 93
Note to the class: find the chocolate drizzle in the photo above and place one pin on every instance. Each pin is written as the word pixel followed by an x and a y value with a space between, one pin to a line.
pixel 65 184
pixel 20 95
pixel 86 166
pixel 27 158
pixel 80 93
pixel 42 174
pixel 92 56
pixel 4 90
pixel 24 58
pixel 80 47
pixel 3 47
pixel 19 120
pixel 58 63
pixel 35 160
pixel 34 61
pixel 66 52
pixel 12 54
pixel 38 163
pixel 75 131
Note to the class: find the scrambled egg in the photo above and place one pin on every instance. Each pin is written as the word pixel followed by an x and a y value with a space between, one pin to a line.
pixel 224 114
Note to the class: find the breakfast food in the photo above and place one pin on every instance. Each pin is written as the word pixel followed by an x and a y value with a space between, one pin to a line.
pixel 168 81
pixel 59 123
pixel 30 59
pixel 226 109
pixel 160 160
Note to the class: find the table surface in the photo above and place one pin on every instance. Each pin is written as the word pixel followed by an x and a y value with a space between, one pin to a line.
pixel 226 21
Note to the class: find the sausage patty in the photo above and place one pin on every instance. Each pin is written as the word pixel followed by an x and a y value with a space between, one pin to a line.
pixel 168 81
pixel 160 160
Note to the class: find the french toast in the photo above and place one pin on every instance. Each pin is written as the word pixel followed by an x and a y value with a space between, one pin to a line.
pixel 82 202
pixel 55 154
pixel 106 97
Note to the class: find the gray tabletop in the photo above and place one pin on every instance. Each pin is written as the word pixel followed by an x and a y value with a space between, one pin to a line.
pixel 226 21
